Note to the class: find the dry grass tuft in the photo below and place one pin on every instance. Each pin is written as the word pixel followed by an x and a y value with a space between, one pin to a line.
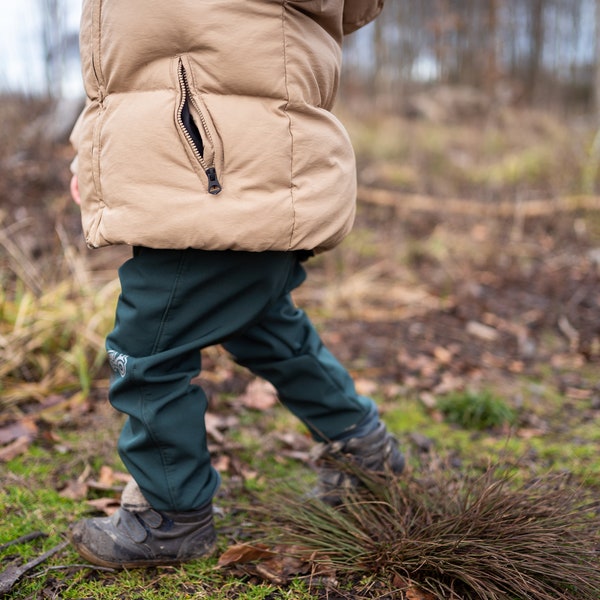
pixel 51 329
pixel 456 538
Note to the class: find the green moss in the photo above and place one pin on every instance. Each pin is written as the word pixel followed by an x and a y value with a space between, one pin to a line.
pixel 481 410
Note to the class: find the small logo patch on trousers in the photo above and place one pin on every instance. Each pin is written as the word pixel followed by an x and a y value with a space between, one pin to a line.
pixel 118 362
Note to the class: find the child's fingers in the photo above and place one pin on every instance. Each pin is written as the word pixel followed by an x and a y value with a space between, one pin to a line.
pixel 75 190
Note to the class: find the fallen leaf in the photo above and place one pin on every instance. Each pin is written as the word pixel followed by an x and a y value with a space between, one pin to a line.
pixel 490 360
pixel 109 479
pixel 449 383
pixel 259 395
pixel 105 505
pixel 247 473
pixel 399 582
pixel 392 390
pixel 51 400
pixel 243 553
pixel 216 423
pixel 481 331
pixel 106 476
pixel 122 477
pixel 222 463
pixel 278 565
pixel 74 490
pixel 299 455
pixel 578 393
pixel 428 400
pixel 210 422
pixel 365 387
pixel 530 433
pixel 294 440
pixel 25 428
pixel 516 366
pixel 280 569
pixel 442 355
pixel 414 593
pixel 567 361
pixel 18 447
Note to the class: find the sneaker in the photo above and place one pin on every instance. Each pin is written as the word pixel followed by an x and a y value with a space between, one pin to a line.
pixel 376 452
pixel 137 535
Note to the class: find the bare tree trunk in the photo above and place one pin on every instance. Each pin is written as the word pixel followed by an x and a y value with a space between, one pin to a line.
pixel 492 71
pixel 537 47
pixel 539 50
pixel 53 36
pixel 379 82
pixel 597 65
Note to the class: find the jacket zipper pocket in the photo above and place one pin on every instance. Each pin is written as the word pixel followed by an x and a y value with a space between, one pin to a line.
pixel 192 133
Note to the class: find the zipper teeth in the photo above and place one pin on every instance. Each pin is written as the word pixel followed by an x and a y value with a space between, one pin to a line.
pixel 188 137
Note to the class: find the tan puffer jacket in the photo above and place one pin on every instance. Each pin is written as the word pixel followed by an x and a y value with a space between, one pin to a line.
pixel 208 126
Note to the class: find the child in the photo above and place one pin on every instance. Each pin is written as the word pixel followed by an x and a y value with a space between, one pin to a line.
pixel 207 144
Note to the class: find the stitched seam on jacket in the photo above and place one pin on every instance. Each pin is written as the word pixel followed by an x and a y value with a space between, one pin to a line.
pixel 96 52
pixel 99 31
pixel 96 47
pixel 287 103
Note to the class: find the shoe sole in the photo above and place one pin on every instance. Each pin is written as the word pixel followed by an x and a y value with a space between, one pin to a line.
pixel 138 564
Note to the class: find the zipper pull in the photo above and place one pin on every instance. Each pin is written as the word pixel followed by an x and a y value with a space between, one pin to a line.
pixel 214 187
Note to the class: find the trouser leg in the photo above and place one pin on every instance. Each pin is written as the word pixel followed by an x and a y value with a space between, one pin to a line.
pixel 285 349
pixel 172 304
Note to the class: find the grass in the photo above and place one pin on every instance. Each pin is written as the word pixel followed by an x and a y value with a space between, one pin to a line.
pixel 52 341
pixel 30 500
pixel 454 536
pixel 476 410
pixel 502 153
pixel 42 508
pixel 568 444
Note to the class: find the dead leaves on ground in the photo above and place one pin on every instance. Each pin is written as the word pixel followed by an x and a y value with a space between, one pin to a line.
pixel 16 438
pixel 259 395
pixel 19 431
pixel 411 591
pixel 102 492
pixel 278 565
pixel 108 480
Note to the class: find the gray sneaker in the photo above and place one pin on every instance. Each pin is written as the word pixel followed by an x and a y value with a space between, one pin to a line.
pixel 376 452
pixel 136 535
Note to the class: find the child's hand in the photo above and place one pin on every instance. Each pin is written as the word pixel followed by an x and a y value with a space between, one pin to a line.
pixel 75 190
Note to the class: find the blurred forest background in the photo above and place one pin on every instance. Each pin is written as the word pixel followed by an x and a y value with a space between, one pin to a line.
pixel 540 52
pixel 525 51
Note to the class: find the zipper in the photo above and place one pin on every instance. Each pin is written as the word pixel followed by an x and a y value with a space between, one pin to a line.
pixel 214 187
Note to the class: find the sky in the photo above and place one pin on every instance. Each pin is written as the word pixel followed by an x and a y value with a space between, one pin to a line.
pixel 21 49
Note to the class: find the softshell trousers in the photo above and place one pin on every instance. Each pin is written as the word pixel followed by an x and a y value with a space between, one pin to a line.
pixel 174 303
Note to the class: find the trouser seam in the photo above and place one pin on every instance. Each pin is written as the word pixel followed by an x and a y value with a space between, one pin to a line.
pixel 148 422
pixel 167 309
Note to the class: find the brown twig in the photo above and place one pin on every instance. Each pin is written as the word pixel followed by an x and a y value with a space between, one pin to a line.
pixel 34 535
pixel 13 573
pixel 403 202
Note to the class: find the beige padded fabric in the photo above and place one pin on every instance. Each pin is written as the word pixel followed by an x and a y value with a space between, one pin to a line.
pixel 259 78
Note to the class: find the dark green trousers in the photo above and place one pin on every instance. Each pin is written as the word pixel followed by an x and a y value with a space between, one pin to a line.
pixel 174 303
